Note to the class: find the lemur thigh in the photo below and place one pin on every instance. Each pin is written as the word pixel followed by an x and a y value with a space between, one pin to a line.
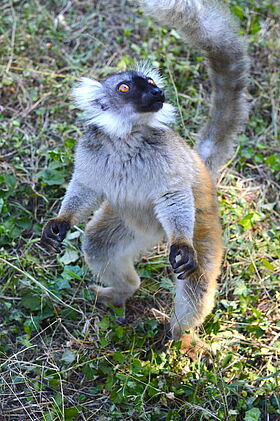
pixel 110 248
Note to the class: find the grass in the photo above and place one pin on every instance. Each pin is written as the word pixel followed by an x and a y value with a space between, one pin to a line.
pixel 61 357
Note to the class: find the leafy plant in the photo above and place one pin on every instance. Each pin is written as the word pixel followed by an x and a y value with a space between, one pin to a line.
pixel 63 358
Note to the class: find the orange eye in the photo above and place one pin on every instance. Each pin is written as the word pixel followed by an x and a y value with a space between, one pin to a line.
pixel 151 81
pixel 123 88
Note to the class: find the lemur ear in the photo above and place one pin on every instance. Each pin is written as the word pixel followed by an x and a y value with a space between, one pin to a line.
pixel 148 70
pixel 86 92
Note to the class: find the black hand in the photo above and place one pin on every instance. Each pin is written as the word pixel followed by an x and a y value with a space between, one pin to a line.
pixel 54 233
pixel 186 262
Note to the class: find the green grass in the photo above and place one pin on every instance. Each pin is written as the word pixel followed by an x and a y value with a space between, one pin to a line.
pixel 62 358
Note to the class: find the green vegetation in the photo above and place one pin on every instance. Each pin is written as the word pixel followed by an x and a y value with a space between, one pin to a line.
pixel 62 358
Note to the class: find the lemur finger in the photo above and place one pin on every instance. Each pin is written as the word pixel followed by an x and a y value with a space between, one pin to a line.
pixel 186 269
pixel 50 241
pixel 186 273
pixel 180 263
pixel 190 266
pixel 49 237
pixel 181 268
pixel 51 244
pixel 175 251
pixel 53 236
pixel 50 247
pixel 61 229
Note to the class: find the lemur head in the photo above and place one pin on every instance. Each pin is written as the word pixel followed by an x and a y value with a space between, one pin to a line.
pixel 134 91
pixel 124 100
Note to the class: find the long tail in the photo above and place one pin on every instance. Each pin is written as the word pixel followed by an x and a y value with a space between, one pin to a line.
pixel 208 25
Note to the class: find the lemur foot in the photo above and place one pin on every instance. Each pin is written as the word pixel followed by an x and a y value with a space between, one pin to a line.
pixel 194 347
pixel 108 297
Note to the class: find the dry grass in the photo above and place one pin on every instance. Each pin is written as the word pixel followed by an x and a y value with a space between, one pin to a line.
pixel 61 357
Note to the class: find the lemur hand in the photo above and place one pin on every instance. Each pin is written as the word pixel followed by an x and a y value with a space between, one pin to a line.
pixel 183 260
pixel 54 233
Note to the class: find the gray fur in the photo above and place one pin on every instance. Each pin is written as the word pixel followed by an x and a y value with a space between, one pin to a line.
pixel 105 109
pixel 173 210
pixel 140 177
pixel 208 25
pixel 132 174
pixel 143 178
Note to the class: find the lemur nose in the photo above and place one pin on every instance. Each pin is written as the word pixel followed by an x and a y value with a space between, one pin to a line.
pixel 158 93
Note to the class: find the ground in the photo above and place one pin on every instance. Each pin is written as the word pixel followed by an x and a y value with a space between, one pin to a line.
pixel 61 356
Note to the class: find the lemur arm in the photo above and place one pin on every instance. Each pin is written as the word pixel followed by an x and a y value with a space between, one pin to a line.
pixel 78 203
pixel 176 212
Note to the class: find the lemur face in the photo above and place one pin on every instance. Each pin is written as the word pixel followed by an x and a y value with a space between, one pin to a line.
pixel 134 90
pixel 141 92
pixel 124 100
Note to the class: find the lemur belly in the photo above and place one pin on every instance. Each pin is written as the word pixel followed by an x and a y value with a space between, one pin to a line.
pixel 140 219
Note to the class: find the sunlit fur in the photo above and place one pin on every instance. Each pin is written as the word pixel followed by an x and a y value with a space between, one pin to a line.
pixel 102 108
pixel 142 179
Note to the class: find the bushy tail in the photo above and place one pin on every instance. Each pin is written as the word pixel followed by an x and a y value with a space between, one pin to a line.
pixel 208 25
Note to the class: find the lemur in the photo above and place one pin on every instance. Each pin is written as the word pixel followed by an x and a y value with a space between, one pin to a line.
pixel 143 181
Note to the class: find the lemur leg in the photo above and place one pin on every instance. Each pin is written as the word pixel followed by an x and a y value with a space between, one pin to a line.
pixel 110 248
pixel 194 300
pixel 195 295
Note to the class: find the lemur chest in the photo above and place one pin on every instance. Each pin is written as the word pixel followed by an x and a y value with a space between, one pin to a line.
pixel 129 175
pixel 130 180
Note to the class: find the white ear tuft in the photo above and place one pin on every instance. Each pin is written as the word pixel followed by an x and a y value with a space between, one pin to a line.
pixel 85 92
pixel 148 70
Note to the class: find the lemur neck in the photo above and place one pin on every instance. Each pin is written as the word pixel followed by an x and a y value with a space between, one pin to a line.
pixel 118 125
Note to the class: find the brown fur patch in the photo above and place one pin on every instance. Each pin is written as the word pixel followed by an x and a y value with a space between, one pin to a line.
pixel 193 347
